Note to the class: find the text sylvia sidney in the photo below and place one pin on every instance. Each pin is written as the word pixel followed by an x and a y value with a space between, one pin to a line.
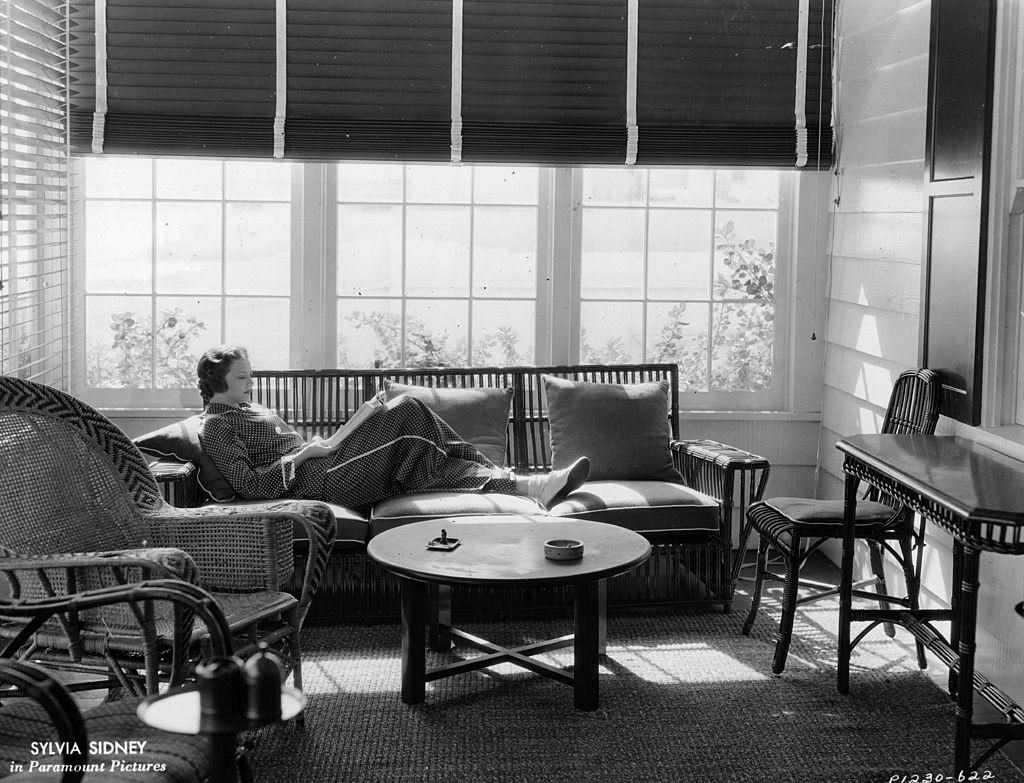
pixel 96 748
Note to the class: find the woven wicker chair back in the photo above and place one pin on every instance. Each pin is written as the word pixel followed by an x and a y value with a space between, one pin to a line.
pixel 318 402
pixel 72 479
pixel 913 410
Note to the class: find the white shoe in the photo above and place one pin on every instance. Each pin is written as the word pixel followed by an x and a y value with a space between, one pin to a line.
pixel 548 486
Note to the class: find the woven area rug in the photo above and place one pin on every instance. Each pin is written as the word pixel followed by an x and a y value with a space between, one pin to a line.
pixel 684 697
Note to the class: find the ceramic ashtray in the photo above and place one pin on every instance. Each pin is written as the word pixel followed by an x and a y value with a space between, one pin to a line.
pixel 563 549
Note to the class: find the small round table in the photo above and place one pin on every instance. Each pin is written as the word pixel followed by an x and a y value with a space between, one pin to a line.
pixel 504 551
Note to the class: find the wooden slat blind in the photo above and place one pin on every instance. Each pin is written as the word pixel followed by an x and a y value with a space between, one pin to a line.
pixel 714 82
pixel 34 265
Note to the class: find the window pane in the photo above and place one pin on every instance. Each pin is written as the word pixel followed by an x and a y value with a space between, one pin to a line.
pixel 260 324
pixel 503 333
pixel 258 180
pixel 745 254
pixel 500 185
pixel 257 243
pixel 189 179
pixel 188 247
pixel 437 251
pixel 613 254
pixel 370 182
pixel 505 252
pixel 679 254
pixel 611 332
pixel 118 247
pixel 614 187
pixel 186 326
pixel 682 188
pixel 741 358
pixel 118 178
pixel 678 332
pixel 439 184
pixel 369 250
pixel 118 347
pixel 437 333
pixel 369 331
pixel 751 188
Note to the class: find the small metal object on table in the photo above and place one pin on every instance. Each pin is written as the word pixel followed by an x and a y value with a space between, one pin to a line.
pixel 977 495
pixel 506 551
pixel 178 712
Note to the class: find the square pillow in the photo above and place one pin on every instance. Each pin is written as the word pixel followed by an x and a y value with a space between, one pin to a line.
pixel 623 428
pixel 181 441
pixel 478 415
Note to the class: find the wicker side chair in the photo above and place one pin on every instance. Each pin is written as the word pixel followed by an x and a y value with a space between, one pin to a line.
pixel 798 527
pixel 38 708
pixel 80 510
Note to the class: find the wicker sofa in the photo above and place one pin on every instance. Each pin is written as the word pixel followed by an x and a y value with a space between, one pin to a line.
pixel 690 524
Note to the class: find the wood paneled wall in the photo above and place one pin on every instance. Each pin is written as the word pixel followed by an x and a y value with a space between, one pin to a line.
pixel 875 282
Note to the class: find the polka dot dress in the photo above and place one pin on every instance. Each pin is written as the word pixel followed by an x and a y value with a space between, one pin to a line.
pixel 404 447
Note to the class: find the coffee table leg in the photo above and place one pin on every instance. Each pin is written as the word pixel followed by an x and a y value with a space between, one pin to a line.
pixel 586 646
pixel 414 661
pixel 439 600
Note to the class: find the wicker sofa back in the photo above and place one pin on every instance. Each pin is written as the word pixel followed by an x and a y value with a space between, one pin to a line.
pixel 317 402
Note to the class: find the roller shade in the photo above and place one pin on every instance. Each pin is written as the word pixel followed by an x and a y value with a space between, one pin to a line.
pixel 192 77
pixel 717 82
pixel 674 82
pixel 544 82
pixel 369 79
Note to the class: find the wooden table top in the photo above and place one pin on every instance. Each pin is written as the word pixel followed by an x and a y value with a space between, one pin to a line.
pixel 508 551
pixel 974 482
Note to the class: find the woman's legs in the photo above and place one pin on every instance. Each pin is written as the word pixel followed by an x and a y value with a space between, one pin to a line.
pixel 405 447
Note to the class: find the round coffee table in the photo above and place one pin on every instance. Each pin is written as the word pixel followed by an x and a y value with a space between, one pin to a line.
pixel 504 551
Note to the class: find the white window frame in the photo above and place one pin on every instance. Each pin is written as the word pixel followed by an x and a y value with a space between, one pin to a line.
pixel 313 323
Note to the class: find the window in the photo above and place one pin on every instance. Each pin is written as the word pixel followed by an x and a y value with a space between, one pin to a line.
pixel 179 255
pixel 436 265
pixel 679 266
pixel 424 265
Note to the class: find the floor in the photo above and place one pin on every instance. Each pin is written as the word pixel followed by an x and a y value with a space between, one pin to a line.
pixel 819 568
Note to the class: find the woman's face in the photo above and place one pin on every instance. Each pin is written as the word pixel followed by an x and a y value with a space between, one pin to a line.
pixel 239 383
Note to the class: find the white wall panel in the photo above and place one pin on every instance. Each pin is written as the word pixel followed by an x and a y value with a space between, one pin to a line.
pixel 892 187
pixel 884 285
pixel 884 236
pixel 874 331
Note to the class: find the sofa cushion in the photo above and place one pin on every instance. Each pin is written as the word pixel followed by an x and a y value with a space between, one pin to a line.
pixel 181 441
pixel 623 428
pixel 402 509
pixel 642 506
pixel 349 525
pixel 478 415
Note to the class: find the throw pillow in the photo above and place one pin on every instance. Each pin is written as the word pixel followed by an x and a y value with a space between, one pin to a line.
pixel 478 415
pixel 181 441
pixel 623 428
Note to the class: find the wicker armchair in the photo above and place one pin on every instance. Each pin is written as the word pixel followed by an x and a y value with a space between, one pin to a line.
pixel 80 510
pixel 49 713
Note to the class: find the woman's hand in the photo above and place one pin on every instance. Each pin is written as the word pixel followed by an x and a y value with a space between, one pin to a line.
pixel 310 450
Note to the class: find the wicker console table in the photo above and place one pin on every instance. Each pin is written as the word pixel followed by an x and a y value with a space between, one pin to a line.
pixel 975 494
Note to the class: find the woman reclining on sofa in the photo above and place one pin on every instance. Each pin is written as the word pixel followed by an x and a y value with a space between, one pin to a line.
pixel 402 447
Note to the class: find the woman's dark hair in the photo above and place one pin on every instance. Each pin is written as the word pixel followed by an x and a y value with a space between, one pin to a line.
pixel 213 368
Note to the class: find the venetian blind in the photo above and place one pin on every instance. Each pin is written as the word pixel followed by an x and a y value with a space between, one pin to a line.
pixel 700 82
pixel 34 264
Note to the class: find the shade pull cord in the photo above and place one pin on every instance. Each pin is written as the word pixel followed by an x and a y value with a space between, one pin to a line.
pixel 99 115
